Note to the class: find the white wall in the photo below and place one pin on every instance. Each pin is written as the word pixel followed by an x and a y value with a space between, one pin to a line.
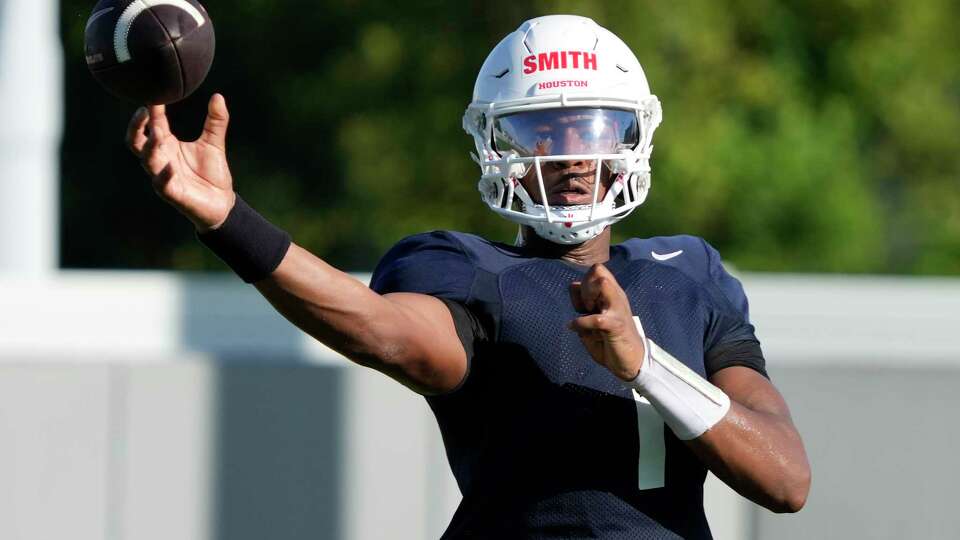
pixel 153 405
pixel 30 124
pixel 157 405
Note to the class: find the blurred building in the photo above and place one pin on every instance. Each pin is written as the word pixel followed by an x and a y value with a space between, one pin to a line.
pixel 156 405
pixel 31 112
pixel 139 405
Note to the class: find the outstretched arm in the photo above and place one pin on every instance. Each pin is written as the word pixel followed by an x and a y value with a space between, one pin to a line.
pixel 737 423
pixel 410 337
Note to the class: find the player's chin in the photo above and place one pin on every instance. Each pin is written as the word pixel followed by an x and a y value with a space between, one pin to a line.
pixel 570 199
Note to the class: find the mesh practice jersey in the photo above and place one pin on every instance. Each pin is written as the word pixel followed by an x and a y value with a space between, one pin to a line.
pixel 543 441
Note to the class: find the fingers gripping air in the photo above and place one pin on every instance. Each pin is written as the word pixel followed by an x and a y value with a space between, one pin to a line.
pixel 193 177
pixel 215 126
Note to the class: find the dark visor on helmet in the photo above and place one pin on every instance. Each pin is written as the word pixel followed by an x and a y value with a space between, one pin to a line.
pixel 568 131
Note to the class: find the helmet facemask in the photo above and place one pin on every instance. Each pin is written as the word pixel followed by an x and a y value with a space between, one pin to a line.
pixel 518 144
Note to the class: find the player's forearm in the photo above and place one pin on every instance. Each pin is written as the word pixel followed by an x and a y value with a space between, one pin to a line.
pixel 335 308
pixel 759 454
pixel 737 423
pixel 409 337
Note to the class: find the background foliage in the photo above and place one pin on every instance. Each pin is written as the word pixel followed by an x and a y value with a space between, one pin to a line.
pixel 809 135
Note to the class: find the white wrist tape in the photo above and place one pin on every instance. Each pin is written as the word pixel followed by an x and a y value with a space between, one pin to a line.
pixel 688 403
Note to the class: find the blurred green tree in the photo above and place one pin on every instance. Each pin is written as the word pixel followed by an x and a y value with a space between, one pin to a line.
pixel 810 136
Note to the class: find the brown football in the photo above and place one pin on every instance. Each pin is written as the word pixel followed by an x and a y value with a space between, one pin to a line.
pixel 150 51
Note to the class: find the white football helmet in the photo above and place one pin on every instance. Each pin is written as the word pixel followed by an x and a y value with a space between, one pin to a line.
pixel 562 68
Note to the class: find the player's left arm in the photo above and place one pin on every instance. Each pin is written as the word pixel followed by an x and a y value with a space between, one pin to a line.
pixel 736 423
pixel 755 448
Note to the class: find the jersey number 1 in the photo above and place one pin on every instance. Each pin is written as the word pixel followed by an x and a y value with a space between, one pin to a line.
pixel 653 451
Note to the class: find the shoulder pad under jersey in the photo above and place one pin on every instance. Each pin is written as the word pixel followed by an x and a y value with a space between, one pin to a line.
pixel 697 259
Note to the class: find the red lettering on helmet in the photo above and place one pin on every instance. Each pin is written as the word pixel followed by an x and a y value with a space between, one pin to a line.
pixel 562 84
pixel 590 61
pixel 529 64
pixel 575 56
pixel 547 61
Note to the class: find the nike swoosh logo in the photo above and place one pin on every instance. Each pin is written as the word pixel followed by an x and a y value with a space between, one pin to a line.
pixel 665 256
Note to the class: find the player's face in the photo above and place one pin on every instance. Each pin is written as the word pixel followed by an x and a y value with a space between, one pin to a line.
pixel 567 183
pixel 566 132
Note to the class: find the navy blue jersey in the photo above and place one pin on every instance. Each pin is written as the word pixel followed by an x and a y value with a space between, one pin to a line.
pixel 544 442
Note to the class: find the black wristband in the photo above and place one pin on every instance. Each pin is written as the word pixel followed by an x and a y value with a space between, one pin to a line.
pixel 249 244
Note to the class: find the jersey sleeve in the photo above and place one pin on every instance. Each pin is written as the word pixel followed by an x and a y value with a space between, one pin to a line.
pixel 731 339
pixel 436 264
pixel 471 331
pixel 432 263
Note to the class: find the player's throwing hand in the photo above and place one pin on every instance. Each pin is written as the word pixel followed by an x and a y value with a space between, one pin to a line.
pixel 608 330
pixel 192 176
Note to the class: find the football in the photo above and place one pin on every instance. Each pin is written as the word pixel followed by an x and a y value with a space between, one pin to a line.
pixel 149 51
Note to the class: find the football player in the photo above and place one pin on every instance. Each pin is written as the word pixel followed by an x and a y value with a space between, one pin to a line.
pixel 583 389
